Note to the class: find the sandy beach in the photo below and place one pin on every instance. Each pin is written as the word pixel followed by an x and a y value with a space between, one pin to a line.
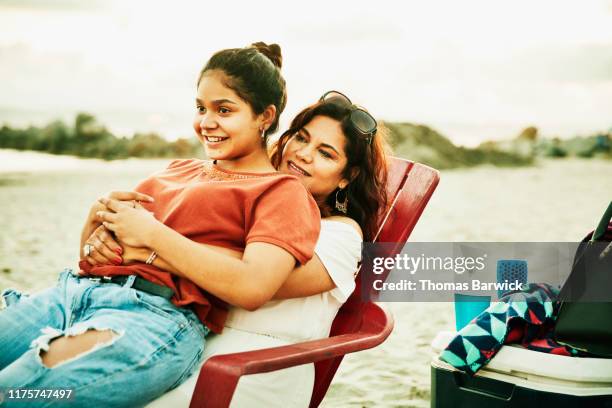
pixel 44 200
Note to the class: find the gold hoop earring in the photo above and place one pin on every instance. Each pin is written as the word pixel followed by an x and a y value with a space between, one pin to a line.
pixel 342 206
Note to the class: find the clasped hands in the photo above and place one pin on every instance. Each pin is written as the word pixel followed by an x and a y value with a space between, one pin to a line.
pixel 125 232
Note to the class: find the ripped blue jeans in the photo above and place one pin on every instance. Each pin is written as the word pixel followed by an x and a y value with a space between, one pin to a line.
pixel 155 345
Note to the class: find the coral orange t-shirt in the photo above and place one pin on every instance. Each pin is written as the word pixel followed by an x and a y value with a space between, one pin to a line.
pixel 210 205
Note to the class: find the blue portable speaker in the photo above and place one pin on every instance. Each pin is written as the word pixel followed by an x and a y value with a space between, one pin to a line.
pixel 511 270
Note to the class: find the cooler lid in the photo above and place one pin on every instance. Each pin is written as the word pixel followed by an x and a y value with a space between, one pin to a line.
pixel 514 360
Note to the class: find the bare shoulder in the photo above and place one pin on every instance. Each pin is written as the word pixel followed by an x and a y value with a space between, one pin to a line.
pixel 346 220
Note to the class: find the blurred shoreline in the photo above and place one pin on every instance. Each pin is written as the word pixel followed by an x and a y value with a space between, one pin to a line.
pixel 29 161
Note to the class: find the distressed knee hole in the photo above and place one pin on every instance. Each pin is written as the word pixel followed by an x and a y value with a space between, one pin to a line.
pixel 72 346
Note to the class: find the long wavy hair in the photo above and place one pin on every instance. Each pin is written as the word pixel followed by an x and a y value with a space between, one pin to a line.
pixel 367 198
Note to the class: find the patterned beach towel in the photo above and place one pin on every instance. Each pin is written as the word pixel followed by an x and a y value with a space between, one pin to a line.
pixel 525 317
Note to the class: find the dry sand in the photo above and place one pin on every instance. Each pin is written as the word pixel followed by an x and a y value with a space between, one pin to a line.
pixel 44 200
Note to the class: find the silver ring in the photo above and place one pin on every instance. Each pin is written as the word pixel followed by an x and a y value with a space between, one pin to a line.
pixel 88 249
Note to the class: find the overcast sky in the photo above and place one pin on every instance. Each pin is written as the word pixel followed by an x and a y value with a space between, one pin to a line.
pixel 473 70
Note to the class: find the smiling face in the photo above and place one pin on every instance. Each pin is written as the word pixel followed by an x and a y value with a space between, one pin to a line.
pixel 315 154
pixel 224 123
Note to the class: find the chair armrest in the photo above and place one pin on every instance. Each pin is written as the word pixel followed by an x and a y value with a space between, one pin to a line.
pixel 219 376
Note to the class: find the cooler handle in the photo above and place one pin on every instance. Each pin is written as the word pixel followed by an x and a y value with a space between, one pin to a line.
pixel 484 386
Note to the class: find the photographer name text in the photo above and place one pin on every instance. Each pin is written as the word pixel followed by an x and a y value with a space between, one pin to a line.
pixel 431 286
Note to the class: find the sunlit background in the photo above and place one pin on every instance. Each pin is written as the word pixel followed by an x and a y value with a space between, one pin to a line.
pixel 473 70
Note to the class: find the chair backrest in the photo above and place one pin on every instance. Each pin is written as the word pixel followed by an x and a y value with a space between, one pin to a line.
pixel 409 188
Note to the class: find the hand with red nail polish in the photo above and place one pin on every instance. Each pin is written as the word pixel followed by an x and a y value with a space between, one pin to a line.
pixel 107 250
pixel 110 251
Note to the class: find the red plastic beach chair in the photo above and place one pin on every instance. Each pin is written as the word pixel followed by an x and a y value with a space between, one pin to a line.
pixel 358 326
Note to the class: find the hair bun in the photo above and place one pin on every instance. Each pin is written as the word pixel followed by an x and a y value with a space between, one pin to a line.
pixel 272 51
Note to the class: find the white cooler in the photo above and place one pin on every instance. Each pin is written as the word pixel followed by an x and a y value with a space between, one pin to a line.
pixel 518 377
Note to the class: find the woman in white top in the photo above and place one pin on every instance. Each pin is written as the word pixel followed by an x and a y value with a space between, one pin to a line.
pixel 337 150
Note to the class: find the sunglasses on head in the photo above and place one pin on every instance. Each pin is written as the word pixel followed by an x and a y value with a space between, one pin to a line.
pixel 360 119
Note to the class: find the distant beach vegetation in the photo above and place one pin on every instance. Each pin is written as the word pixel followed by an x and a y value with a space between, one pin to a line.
pixel 86 137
